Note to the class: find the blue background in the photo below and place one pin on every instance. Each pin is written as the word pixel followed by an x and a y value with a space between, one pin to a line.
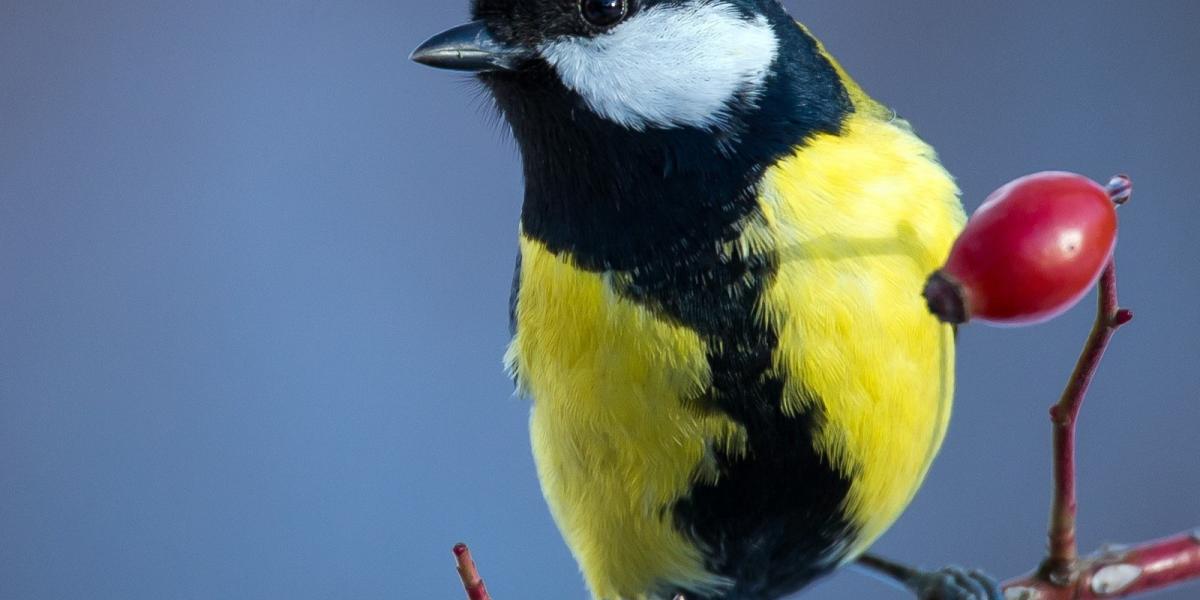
pixel 254 268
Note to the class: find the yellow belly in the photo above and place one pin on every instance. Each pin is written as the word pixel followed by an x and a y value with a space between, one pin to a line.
pixel 613 441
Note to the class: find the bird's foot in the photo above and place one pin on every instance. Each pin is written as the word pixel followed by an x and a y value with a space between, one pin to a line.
pixel 954 583
pixel 949 583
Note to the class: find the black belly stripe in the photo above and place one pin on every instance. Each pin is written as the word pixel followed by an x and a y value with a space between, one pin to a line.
pixel 773 521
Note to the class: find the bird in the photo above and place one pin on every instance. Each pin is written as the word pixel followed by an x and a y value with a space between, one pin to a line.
pixel 735 386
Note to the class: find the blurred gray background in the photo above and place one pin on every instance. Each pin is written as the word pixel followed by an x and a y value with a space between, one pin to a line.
pixel 254 268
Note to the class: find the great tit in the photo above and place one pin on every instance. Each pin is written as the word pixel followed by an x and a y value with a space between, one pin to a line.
pixel 736 386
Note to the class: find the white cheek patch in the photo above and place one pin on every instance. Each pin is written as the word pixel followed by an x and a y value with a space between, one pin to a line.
pixel 669 66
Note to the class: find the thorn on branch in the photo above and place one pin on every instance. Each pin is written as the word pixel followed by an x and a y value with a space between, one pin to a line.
pixel 1123 317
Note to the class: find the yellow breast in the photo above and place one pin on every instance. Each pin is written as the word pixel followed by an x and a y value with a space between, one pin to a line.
pixel 859 221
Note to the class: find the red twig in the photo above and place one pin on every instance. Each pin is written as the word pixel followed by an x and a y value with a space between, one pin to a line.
pixel 1064 415
pixel 471 580
pixel 1119 572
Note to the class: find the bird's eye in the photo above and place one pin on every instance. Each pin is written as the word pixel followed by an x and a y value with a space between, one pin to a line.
pixel 603 13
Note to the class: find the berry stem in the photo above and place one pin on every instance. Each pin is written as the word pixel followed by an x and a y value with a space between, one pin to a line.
pixel 1061 565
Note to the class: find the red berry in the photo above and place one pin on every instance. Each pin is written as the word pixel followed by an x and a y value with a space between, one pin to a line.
pixel 1033 250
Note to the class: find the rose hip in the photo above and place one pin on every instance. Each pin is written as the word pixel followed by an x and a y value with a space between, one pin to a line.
pixel 1031 252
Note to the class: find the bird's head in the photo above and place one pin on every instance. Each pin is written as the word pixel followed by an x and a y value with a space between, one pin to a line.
pixel 640 64
pixel 644 120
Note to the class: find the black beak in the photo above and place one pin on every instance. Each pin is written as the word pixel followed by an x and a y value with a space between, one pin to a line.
pixel 470 47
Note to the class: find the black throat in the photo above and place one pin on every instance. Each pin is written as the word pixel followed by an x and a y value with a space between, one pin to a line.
pixel 618 199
